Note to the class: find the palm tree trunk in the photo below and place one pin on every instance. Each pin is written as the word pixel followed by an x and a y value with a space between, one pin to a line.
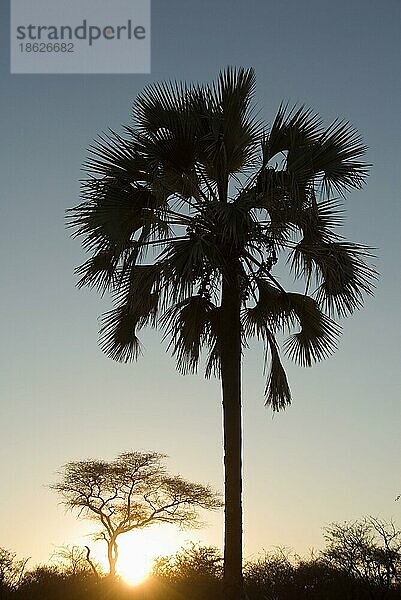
pixel 231 391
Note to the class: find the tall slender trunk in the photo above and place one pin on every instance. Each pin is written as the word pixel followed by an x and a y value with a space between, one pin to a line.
pixel 231 391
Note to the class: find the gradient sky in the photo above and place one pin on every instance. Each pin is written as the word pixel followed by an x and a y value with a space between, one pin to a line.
pixel 333 455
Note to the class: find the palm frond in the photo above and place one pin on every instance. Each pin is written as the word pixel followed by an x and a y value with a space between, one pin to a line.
pixel 318 336
pixel 313 154
pixel 99 272
pixel 266 313
pixel 113 212
pixel 292 128
pixel 277 391
pixel 229 132
pixel 159 105
pixel 117 337
pixel 187 324
pixel 283 311
pixel 256 322
pixel 336 155
pixel 190 261
pixel 332 159
pixel 114 156
pixel 342 270
pixel 235 90
pixel 319 220
pixel 172 151
pixel 140 289
pixel 138 297
pixel 180 125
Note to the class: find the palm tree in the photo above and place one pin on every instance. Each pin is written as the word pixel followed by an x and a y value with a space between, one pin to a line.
pixel 186 216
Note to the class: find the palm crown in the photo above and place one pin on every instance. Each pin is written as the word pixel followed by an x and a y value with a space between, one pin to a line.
pixel 199 191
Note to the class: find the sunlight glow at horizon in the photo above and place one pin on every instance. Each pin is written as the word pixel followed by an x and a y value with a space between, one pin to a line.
pixel 138 550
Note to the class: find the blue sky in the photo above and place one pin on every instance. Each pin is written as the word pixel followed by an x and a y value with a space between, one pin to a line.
pixel 334 455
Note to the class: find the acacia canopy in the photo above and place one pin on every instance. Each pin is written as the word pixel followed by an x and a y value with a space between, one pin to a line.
pixel 131 492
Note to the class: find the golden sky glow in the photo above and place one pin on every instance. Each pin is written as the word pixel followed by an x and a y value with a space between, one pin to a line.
pixel 138 549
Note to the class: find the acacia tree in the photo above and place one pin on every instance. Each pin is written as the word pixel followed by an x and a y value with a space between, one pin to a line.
pixel 131 492
pixel 186 216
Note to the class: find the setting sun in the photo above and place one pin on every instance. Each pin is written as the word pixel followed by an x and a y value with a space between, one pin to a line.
pixel 138 549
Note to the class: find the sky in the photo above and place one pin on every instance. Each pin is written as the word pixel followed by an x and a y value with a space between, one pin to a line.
pixel 334 454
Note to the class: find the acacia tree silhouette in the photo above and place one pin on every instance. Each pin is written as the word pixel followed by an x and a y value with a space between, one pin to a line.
pixel 133 491
pixel 186 216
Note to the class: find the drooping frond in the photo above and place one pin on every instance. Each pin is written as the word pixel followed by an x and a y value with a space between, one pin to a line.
pixel 283 311
pixel 277 391
pixel 258 322
pixel 140 287
pixel 118 338
pixel 319 220
pixel 187 324
pixel 138 296
pixel 340 267
pixel 99 272
pixel 318 335
pixel 266 313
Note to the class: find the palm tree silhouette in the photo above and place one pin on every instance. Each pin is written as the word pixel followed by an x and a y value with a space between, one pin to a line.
pixel 186 216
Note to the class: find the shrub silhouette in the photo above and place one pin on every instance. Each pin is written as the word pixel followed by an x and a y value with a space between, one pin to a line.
pixel 195 573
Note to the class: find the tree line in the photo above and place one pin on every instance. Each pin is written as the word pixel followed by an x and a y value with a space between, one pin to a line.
pixel 361 560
